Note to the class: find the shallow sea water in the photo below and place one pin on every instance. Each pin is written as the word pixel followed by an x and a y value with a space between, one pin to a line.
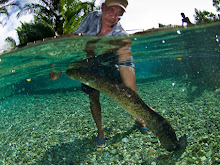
pixel 49 122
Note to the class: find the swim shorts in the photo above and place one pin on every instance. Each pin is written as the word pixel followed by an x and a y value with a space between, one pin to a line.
pixel 110 70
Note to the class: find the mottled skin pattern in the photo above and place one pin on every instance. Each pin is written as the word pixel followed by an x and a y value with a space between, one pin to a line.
pixel 131 102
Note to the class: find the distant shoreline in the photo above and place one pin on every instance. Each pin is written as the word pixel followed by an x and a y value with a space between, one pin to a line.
pixel 155 30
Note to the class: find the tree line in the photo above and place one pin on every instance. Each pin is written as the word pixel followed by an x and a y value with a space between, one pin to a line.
pixel 51 17
pixel 206 16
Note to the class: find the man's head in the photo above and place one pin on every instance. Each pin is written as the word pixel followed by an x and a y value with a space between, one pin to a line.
pixel 121 3
pixel 113 11
pixel 183 15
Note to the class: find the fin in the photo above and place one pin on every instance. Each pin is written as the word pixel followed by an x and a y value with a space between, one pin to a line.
pixel 183 142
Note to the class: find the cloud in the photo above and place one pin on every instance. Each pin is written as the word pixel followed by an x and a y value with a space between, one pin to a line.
pixel 24 2
pixel 9 29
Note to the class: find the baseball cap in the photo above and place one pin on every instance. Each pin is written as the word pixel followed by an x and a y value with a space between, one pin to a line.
pixel 122 3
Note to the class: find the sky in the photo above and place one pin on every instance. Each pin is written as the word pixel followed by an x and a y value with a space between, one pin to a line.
pixel 140 15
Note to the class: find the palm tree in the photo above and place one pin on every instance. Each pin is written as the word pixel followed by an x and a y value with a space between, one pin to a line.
pixel 3 9
pixel 54 11
pixel 4 4
pixel 73 12
pixel 45 10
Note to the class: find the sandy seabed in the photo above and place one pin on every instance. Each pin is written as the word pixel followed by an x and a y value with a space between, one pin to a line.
pixel 58 128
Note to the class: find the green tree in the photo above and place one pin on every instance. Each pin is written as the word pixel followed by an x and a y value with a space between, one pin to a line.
pixel 58 13
pixel 73 11
pixel 33 31
pixel 47 10
pixel 216 4
pixel 204 16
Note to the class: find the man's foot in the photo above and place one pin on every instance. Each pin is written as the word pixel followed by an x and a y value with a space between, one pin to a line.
pixel 142 127
pixel 139 123
pixel 100 143
pixel 100 139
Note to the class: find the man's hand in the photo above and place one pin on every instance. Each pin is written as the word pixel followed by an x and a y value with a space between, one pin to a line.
pixel 54 75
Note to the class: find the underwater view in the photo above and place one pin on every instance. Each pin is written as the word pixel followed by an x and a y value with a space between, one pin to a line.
pixel 177 73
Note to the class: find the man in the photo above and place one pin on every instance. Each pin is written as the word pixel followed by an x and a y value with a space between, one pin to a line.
pixel 106 23
pixel 185 20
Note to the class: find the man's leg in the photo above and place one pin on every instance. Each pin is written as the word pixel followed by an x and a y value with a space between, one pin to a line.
pixel 127 73
pixel 96 113
pixel 128 78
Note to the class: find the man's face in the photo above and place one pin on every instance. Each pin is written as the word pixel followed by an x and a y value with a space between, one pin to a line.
pixel 111 15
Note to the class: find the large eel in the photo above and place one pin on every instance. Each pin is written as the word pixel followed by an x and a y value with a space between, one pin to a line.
pixel 132 102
